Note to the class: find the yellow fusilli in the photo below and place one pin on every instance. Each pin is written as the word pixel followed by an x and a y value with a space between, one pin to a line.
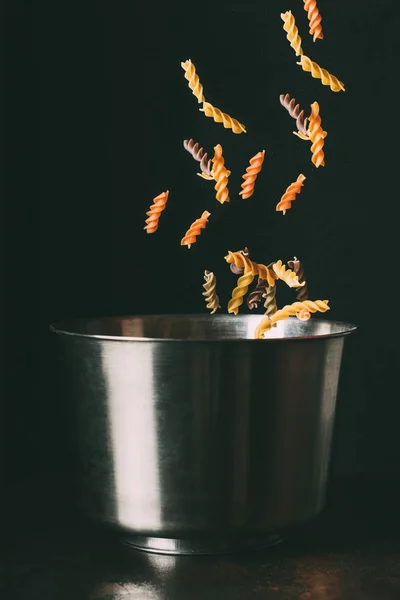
pixel 240 291
pixel 219 117
pixel 318 73
pixel 290 310
pixel 286 275
pixel 292 32
pixel 193 79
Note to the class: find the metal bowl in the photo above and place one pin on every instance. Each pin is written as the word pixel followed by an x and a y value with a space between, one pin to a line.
pixel 193 436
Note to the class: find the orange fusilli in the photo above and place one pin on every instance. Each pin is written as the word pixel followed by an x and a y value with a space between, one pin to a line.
pixel 159 203
pixel 220 175
pixel 317 136
pixel 314 19
pixel 294 188
pixel 251 175
pixel 195 230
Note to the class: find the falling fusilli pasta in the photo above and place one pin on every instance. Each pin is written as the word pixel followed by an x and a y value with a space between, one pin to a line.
pixel 314 18
pixel 159 203
pixel 195 230
pixel 317 136
pixel 256 294
pixel 210 292
pixel 290 195
pixel 193 79
pixel 270 301
pixel 290 310
pixel 251 175
pixel 295 112
pixel 220 175
pixel 239 270
pixel 297 266
pixel 199 155
pixel 286 275
pixel 289 25
pixel 241 261
pixel 318 73
pixel 220 117
pixel 240 291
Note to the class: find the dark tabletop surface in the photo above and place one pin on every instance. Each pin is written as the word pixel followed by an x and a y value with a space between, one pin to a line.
pixel 351 552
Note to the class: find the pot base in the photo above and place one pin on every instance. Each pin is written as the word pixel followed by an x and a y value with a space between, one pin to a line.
pixel 179 546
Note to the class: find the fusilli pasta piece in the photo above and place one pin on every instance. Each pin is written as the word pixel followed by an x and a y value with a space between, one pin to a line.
pixel 297 266
pixel 195 230
pixel 317 137
pixel 295 112
pixel 159 203
pixel 294 188
pixel 220 175
pixel 289 25
pixel 270 301
pixel 239 270
pixel 256 295
pixel 251 175
pixel 210 292
pixel 257 269
pixel 318 73
pixel 193 79
pixel 286 275
pixel 314 18
pixel 199 155
pixel 219 117
pixel 240 291
pixel 290 310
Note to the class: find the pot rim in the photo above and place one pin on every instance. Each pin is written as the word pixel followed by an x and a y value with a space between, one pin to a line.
pixel 68 327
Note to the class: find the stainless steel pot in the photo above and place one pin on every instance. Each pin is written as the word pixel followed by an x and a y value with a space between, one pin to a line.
pixel 195 437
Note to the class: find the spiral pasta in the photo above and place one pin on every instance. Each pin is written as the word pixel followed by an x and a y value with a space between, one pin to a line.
pixel 317 137
pixel 294 188
pixel 297 266
pixel 195 230
pixel 241 261
pixel 289 25
pixel 251 175
pixel 270 301
pixel 239 270
pixel 219 117
pixel 210 292
pixel 193 79
pixel 295 112
pixel 286 275
pixel 240 291
pixel 159 203
pixel 256 295
pixel 220 175
pixel 199 155
pixel 290 310
pixel 314 18
pixel 318 73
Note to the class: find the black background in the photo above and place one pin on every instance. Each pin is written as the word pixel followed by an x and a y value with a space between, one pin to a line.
pixel 96 108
